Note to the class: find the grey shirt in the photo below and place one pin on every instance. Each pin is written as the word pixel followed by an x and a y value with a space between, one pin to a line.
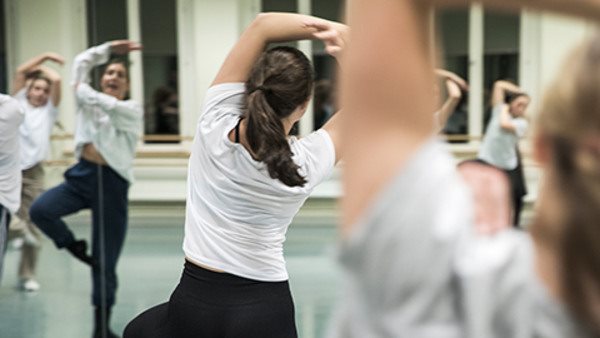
pixel 416 268
pixel 11 117
pixel 499 146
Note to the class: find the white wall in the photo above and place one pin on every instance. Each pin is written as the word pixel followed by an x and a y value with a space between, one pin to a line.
pixel 34 27
pixel 559 36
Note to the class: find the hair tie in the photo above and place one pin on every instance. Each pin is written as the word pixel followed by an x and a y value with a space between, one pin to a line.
pixel 261 88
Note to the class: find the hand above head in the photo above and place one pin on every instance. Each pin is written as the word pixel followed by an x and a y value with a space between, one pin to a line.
pixel 124 46
pixel 448 75
pixel 454 89
pixel 335 36
pixel 54 57
pixel 49 72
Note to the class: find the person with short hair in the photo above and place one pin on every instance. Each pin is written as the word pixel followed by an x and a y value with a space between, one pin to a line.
pixel 11 117
pixel 38 89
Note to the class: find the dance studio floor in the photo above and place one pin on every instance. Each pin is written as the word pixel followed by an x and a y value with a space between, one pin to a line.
pixel 149 270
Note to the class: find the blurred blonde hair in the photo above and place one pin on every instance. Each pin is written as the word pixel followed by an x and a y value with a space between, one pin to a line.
pixel 569 122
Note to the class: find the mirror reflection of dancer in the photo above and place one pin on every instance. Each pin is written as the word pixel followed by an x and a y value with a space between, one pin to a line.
pixel 38 89
pixel 107 133
pixel 11 117
pixel 455 85
pixel 506 127
pixel 416 266
pixel 247 180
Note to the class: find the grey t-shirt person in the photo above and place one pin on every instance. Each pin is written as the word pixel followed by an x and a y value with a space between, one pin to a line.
pixel 499 147
pixel 415 267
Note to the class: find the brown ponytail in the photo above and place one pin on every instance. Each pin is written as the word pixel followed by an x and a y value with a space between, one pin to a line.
pixel 279 83
pixel 570 122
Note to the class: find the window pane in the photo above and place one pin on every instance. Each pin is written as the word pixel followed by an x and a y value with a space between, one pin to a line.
pixel 501 62
pixel 279 6
pixel 324 103
pixel 453 33
pixel 289 6
pixel 106 20
pixel 159 37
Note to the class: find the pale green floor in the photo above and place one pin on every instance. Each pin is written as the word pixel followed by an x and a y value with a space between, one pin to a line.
pixel 149 270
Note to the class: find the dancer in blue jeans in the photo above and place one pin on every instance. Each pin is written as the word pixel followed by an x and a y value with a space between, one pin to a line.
pixel 107 132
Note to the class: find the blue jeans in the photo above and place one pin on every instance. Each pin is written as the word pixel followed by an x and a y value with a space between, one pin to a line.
pixel 80 191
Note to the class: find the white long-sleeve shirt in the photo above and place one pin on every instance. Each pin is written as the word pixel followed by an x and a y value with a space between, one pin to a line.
pixel 11 116
pixel 113 126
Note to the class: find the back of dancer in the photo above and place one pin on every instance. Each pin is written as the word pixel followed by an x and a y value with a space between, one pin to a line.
pixel 247 179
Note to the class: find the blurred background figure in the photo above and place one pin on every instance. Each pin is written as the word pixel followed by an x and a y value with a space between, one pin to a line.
pixel 507 125
pixel 164 119
pixel 324 104
pixel 11 117
pixel 38 90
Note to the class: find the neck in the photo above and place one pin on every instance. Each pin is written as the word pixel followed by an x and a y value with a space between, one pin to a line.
pixel 287 125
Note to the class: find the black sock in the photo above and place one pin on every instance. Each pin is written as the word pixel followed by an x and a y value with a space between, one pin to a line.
pixel 100 322
pixel 79 250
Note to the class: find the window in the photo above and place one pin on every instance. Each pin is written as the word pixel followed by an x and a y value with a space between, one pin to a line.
pixel 324 102
pixel 158 20
pixel 453 31
pixel 501 53
pixel 495 56
pixel 106 21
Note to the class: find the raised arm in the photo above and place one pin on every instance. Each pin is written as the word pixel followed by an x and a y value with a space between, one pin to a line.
pixel 506 121
pixel 31 66
pixel 55 89
pixel 335 36
pixel 386 97
pixel 98 55
pixel 266 28
pixel 454 85
pixel 501 88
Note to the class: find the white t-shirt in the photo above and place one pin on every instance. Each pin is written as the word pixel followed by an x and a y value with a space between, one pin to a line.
pixel 35 130
pixel 499 147
pixel 236 214
pixel 415 267
pixel 11 116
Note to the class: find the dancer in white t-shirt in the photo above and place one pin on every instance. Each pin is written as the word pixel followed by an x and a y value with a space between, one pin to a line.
pixel 38 90
pixel 247 179
pixel 508 124
pixel 416 266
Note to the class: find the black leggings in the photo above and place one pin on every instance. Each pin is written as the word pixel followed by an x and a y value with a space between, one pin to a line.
pixel 214 305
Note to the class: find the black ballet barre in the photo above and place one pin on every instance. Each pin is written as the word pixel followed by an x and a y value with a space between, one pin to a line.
pixel 148 137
